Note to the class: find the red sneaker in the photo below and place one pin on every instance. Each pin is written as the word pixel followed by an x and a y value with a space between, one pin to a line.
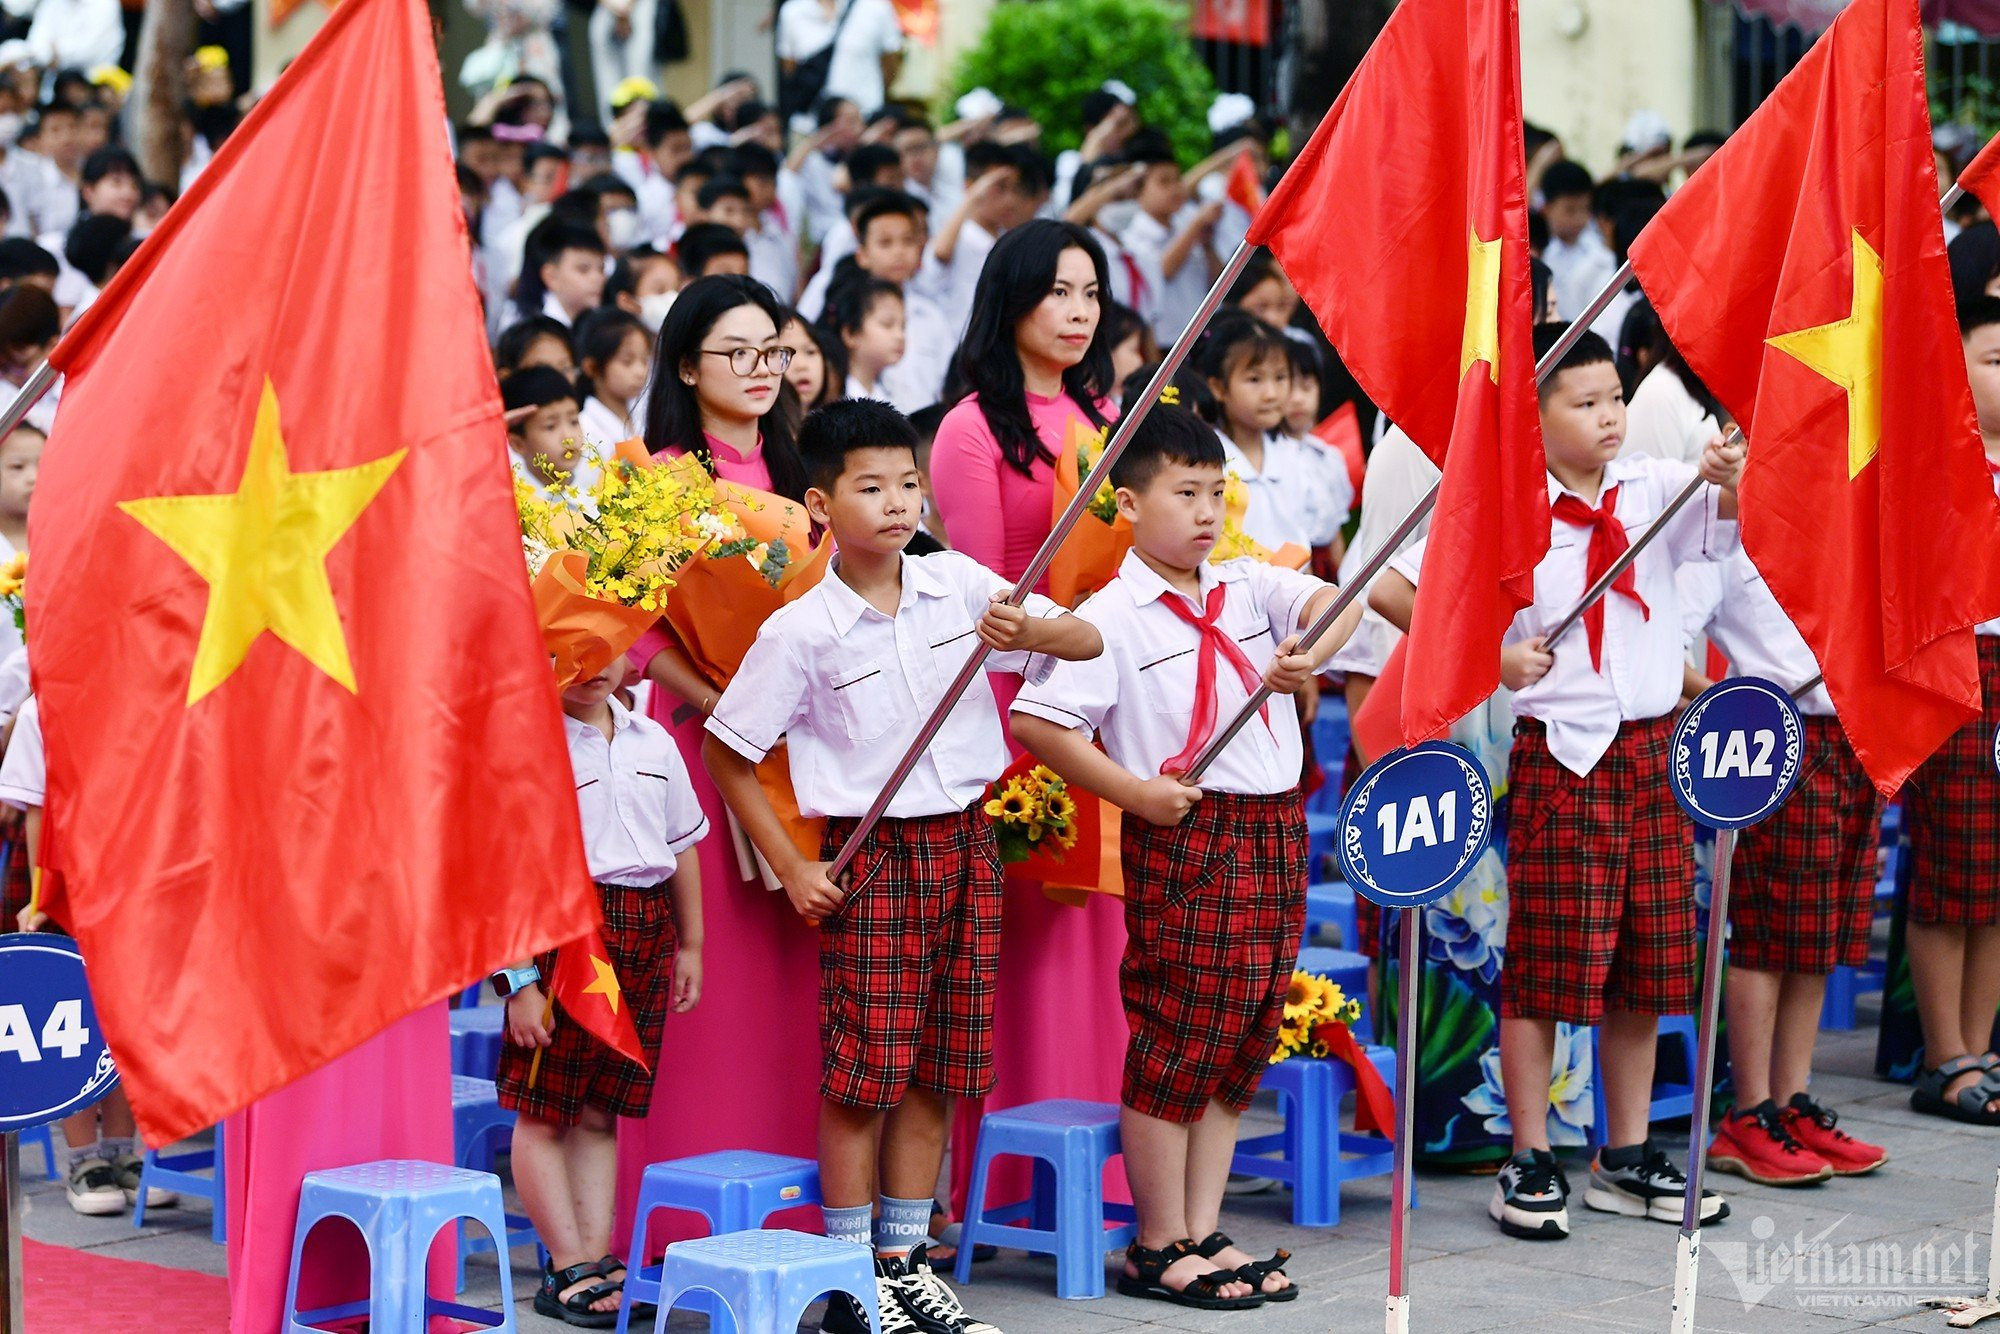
pixel 1815 1127
pixel 1756 1144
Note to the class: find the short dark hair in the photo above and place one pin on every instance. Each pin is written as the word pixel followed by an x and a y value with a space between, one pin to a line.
pixel 827 106
pixel 1097 104
pixel 705 241
pixel 92 245
pixel 844 426
pixel 753 160
pixel 515 340
pixel 984 156
pixel 21 258
pixel 662 119
pixel 1565 178
pixel 1978 312
pixel 720 188
pixel 536 387
pixel 927 420
pixel 111 160
pixel 694 169
pixel 1168 434
pixel 888 204
pixel 588 134
pixel 1589 350
pixel 866 161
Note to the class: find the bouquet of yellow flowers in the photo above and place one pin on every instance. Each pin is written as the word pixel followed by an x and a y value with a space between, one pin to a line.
pixel 1311 1003
pixel 1236 543
pixel 603 559
pixel 13 590
pixel 1030 810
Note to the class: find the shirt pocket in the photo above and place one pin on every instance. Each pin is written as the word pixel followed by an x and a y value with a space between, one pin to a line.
pixel 865 700
pixel 1168 684
pixel 948 655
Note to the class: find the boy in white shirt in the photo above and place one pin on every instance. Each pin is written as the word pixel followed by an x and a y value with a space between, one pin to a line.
pixel 909 941
pixel 1600 863
pixel 639 813
pixel 1172 240
pixel 1215 876
pixel 1576 253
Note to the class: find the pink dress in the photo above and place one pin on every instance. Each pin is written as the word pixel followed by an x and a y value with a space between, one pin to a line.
pixel 1058 1026
pixel 388 1098
pixel 741 1069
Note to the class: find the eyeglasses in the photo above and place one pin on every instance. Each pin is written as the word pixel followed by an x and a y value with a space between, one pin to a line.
pixel 743 360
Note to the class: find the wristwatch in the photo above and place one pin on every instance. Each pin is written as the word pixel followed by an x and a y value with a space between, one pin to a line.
pixel 510 980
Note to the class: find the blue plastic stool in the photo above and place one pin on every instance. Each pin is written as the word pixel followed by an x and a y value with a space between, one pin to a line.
pixel 476 1039
pixel 766 1280
pixel 1070 1141
pixel 183 1172
pixel 1671 1099
pixel 400 1206
pixel 1350 970
pixel 735 1190
pixel 1312 1154
pixel 478 1120
pixel 40 1137
pixel 1320 830
pixel 1332 904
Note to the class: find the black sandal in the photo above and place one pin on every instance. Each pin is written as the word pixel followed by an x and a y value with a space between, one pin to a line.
pixel 1202 1292
pixel 575 1310
pixel 640 1310
pixel 1968 1104
pixel 1256 1271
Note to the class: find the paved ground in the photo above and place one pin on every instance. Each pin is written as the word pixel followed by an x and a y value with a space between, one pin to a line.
pixel 1838 1256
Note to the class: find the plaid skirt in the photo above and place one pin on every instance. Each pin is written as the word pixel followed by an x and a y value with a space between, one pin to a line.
pixel 1953 806
pixel 907 964
pixel 1214 908
pixel 578 1071
pixel 1802 891
pixel 1600 882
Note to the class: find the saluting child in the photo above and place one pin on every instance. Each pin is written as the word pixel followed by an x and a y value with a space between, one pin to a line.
pixel 639 815
pixel 1600 863
pixel 1215 875
pixel 910 939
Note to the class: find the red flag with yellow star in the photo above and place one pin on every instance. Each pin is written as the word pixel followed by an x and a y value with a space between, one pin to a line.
pixel 1404 226
pixel 586 986
pixel 1802 274
pixel 306 769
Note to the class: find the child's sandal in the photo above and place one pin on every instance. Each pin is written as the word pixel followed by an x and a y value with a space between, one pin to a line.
pixel 1202 1292
pixel 575 1310
pixel 1256 1271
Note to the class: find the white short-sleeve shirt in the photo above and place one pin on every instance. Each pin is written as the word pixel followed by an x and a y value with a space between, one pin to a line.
pixel 871 32
pixel 23 773
pixel 1292 496
pixel 847 687
pixel 1139 695
pixel 639 810
pixel 1730 602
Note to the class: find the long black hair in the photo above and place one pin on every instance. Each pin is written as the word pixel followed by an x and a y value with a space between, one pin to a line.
pixel 673 414
pixel 1020 271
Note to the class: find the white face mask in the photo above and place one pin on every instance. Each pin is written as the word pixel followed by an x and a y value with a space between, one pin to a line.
pixel 653 309
pixel 623 224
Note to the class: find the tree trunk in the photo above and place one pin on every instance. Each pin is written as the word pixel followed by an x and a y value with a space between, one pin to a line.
pixel 1332 37
pixel 156 127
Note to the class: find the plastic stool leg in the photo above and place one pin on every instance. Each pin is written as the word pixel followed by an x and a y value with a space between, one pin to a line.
pixel 1078 1187
pixel 1314 1121
pixel 975 1210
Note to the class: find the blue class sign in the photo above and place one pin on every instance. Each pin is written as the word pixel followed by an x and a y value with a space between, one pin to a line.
pixel 53 1060
pixel 1414 825
pixel 1737 752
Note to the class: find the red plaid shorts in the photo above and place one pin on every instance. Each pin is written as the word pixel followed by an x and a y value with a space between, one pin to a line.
pixel 1952 803
pixel 1214 908
pixel 15 886
pixel 1802 892
pixel 577 1070
pixel 907 964
pixel 1600 882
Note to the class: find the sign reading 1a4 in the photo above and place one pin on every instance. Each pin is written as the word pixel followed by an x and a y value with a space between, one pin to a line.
pixel 53 1060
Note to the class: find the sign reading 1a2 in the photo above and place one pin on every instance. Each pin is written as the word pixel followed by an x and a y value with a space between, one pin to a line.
pixel 53 1060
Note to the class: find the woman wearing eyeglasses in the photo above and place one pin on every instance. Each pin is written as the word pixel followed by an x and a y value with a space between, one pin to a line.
pixel 718 377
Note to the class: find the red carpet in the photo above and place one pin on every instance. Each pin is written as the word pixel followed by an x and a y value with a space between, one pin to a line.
pixel 82 1290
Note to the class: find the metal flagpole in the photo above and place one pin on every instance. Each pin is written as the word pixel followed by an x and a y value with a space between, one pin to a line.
pixel 1099 474
pixel 1687 1261
pixel 39 383
pixel 1407 991
pixel 1382 555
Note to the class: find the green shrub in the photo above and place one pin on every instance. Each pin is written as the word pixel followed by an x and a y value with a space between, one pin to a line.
pixel 1044 56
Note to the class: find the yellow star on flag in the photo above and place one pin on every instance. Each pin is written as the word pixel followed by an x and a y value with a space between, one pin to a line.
pixel 1482 307
pixel 1849 353
pixel 606 984
pixel 262 550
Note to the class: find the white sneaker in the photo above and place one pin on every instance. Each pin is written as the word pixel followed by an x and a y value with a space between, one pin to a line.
pixel 94 1188
pixel 131 1172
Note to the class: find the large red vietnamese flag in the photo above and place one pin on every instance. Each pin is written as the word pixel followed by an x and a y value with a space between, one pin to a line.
pixel 1802 274
pixel 306 771
pixel 1404 226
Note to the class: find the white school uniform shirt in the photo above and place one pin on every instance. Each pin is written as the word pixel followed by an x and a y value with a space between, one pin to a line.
pixel 929 343
pixel 774 256
pixel 823 204
pixel 960 278
pixel 1398 476
pixel 848 687
pixel 838 244
pixel 1291 496
pixel 639 810
pixel 23 773
pixel 872 31
pixel 1174 299
pixel 1580 269
pixel 14 687
pixel 1138 697
pixel 1730 602
pixel 604 427
pixel 42 200
pixel 1991 627
pixel 1581 706
pixel 1665 421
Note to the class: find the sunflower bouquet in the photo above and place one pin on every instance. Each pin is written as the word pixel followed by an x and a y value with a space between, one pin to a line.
pixel 13 590
pixel 1104 505
pixel 1312 1002
pixel 1032 813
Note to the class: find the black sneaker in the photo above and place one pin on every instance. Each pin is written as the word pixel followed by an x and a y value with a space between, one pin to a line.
pixel 1650 1188
pixel 931 1301
pixel 1531 1197
pixel 845 1316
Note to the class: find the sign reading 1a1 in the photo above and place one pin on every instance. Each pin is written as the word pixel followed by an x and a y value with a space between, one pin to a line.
pixel 53 1060
pixel 1414 824
pixel 1736 752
